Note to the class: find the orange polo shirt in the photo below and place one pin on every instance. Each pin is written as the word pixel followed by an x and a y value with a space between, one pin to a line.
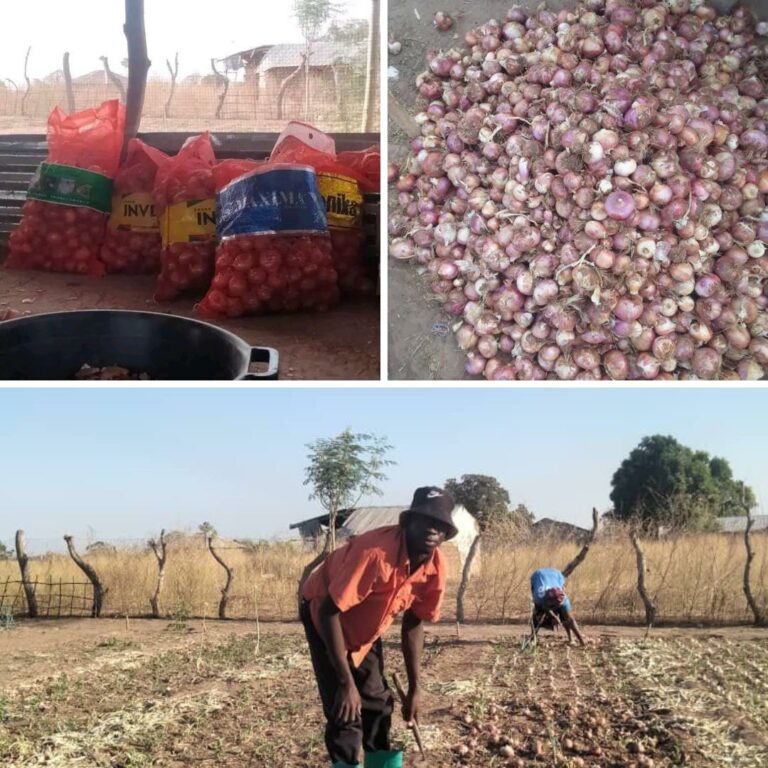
pixel 368 580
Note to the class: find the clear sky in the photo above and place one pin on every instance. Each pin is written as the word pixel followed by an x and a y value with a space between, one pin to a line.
pixel 91 28
pixel 122 463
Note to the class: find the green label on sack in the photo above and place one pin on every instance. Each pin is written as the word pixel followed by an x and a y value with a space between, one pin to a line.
pixel 66 185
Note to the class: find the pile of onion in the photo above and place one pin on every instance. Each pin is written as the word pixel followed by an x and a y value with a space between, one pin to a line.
pixel 588 193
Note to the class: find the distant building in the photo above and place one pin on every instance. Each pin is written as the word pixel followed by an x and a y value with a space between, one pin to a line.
pixel 546 528
pixel 739 524
pixel 353 522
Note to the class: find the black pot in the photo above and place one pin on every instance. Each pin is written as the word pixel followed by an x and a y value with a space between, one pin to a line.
pixel 55 346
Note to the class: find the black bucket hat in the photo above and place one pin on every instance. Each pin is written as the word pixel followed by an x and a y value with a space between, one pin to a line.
pixel 435 503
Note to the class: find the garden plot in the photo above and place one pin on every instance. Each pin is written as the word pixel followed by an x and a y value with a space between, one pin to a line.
pixel 220 693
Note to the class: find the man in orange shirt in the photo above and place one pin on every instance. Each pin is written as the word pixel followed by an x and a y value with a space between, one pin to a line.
pixel 350 600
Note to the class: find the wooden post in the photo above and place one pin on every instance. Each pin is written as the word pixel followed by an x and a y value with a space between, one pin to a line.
pixel 113 78
pixel 368 124
pixel 287 81
pixel 579 559
pixel 466 572
pixel 68 85
pixel 650 608
pixel 161 554
pixel 759 618
pixel 225 82
pixel 99 593
pixel 174 70
pixel 138 66
pixel 29 84
pixel 230 574
pixel 29 589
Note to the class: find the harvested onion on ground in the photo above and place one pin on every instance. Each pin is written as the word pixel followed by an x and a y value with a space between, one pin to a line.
pixel 588 193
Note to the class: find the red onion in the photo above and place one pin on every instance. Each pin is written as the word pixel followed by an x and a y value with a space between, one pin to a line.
pixel 619 205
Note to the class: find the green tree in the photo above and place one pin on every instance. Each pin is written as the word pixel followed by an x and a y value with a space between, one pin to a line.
pixel 207 529
pixel 348 31
pixel 5 552
pixel 663 482
pixel 488 501
pixel 342 470
pixel 313 15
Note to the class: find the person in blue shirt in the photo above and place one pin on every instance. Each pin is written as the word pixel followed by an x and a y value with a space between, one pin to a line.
pixel 550 603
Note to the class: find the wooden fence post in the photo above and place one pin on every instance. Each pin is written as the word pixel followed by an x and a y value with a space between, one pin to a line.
pixel 138 66
pixel 466 572
pixel 650 608
pixel 159 548
pixel 29 84
pixel 68 85
pixel 230 574
pixel 579 559
pixel 29 589
pixel 99 592
pixel 759 618
pixel 174 70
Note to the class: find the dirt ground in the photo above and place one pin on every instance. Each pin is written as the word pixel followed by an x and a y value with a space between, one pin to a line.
pixel 340 344
pixel 234 694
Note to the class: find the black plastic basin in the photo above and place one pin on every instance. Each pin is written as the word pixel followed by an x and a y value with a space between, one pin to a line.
pixel 55 346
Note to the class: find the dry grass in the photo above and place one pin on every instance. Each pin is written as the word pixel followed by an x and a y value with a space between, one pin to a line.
pixel 691 578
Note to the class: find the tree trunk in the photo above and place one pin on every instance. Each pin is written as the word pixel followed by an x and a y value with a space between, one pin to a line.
pixel 174 70
pixel 466 573
pixel 230 575
pixel 68 85
pixel 29 84
pixel 579 559
pixel 284 86
pixel 159 548
pixel 99 593
pixel 753 606
pixel 29 589
pixel 223 95
pixel 138 66
pixel 113 78
pixel 371 82
pixel 650 609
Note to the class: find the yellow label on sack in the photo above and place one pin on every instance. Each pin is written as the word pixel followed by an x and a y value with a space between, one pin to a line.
pixel 134 213
pixel 343 200
pixel 190 222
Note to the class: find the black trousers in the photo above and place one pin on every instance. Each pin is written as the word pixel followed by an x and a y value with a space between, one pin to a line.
pixel 371 731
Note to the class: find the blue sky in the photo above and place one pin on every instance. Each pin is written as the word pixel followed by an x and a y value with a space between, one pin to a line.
pixel 122 463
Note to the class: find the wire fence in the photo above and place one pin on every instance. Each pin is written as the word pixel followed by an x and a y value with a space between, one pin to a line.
pixel 56 598
pixel 279 71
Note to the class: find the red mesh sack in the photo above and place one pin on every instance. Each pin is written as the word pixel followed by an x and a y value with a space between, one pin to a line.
pixel 184 198
pixel 274 252
pixel 341 188
pixel 132 243
pixel 366 163
pixel 64 217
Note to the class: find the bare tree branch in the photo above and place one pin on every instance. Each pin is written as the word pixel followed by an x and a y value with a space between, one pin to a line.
pixel 113 78
pixel 222 79
pixel 466 572
pixel 759 618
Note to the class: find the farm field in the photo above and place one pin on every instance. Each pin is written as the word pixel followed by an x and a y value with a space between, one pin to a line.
pixel 182 692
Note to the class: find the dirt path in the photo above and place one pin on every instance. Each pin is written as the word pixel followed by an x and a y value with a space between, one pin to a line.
pixel 340 344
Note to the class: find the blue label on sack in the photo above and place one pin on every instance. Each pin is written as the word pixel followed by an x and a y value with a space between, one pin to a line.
pixel 274 199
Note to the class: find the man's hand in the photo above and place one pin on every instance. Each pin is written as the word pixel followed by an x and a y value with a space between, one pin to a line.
pixel 347 707
pixel 411 707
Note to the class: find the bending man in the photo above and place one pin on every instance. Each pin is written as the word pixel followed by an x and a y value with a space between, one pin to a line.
pixel 350 600
pixel 551 604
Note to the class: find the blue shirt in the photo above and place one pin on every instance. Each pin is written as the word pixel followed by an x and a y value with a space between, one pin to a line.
pixel 543 580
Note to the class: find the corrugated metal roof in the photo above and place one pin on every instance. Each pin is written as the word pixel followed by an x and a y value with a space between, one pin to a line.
pixel 739 524
pixel 321 55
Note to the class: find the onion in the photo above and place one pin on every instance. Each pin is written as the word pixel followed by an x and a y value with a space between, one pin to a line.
pixel 589 189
